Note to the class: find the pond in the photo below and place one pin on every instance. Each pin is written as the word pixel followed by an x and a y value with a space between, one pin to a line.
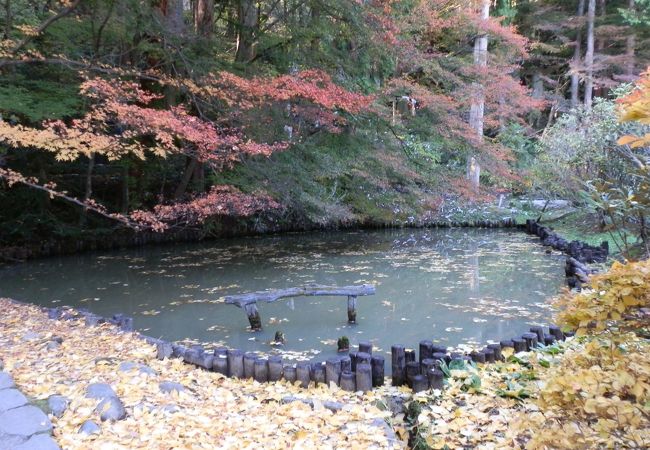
pixel 458 287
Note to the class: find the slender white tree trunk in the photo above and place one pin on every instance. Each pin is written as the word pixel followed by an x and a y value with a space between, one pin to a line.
pixel 577 56
pixel 589 56
pixel 477 109
pixel 630 47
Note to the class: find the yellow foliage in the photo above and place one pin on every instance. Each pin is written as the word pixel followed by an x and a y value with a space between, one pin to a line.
pixel 636 107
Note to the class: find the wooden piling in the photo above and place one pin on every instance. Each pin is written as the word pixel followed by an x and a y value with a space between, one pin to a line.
pixel 348 381
pixel 426 350
pixel 398 364
pixel 363 358
pixel 220 364
pixel 235 363
pixel 377 363
pixel 556 331
pixel 318 373
pixel 364 377
pixel 439 356
pixel 531 340
pixel 352 309
pixel 410 355
pixel 420 383
pixel 346 363
pixel 353 361
pixel 539 331
pixel 426 365
pixel 519 344
pixel 253 315
pixel 436 379
pixel 365 347
pixel 549 339
pixel 333 370
pixel 490 357
pixel 303 373
pixel 478 357
pixel 261 370
pixel 289 373
pixel 412 369
pixel 275 368
pixel 249 365
pixel 506 343
pixel 496 348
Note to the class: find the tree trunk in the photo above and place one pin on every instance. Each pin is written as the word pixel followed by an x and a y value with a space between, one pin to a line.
pixel 204 17
pixel 172 11
pixel 577 56
pixel 125 188
pixel 630 48
pixel 248 18
pixel 589 56
pixel 8 19
pixel 185 180
pixel 477 109
pixel 89 187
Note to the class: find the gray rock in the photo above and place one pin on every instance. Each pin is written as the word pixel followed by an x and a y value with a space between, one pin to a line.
pixel 111 408
pixel 92 320
pixel 171 409
pixel 10 442
pixel 6 381
pixel 169 386
pixel 52 345
pixel 31 336
pixel 11 398
pixel 57 404
pixel 126 366
pixel 24 421
pixel 90 427
pixel 164 350
pixel 38 442
pixel 100 391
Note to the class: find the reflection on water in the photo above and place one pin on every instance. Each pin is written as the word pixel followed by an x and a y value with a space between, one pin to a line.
pixel 453 286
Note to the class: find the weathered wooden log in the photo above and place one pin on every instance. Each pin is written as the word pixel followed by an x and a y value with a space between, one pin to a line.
pixel 249 364
pixel 519 345
pixel 436 379
pixel 220 364
pixel 253 315
pixel 549 339
pixel 426 350
pixel 363 358
pixel 317 373
pixel 439 356
pixel 352 309
pixel 220 351
pixel 420 383
pixel 377 363
pixel 365 347
pixel 398 364
pixel 348 381
pixel 235 363
pixel 275 368
pixel 412 369
pixel 164 350
pixel 303 373
pixel 333 370
pixel 556 331
pixel 353 361
pixel 539 331
pixel 289 373
pixel 308 290
pixel 478 357
pixel 489 355
pixel 426 365
pixel 496 348
pixel 531 340
pixel 364 377
pixel 440 349
pixel 507 343
pixel 346 363
pixel 261 370
pixel 410 355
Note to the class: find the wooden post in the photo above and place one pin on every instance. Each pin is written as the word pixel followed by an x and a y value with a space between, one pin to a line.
pixel 303 373
pixel 436 379
pixel 507 343
pixel 426 365
pixel 348 381
pixel 220 364
pixel 439 356
pixel 398 364
pixel 549 339
pixel 253 316
pixel 275 368
pixel 353 361
pixel 519 344
pixel 333 370
pixel 478 357
pixel 531 340
pixel 346 363
pixel 249 365
pixel 489 355
pixel 377 363
pixel 496 348
pixel 221 351
pixel 289 373
pixel 352 309
pixel 261 370
pixel 365 347
pixel 420 383
pixel 539 331
pixel 412 369
pixel 318 373
pixel 439 349
pixel 556 331
pixel 426 350
pixel 236 363
pixel 364 377
pixel 410 355
pixel 363 358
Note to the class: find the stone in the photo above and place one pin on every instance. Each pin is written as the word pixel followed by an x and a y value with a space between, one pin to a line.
pixel 57 404
pixel 24 421
pixel 100 391
pixel 11 398
pixel 31 336
pixel 90 427
pixel 10 441
pixel 168 386
pixel 111 408
pixel 127 366
pixel 164 350
pixel 171 409
pixel 38 442
pixel 6 381
pixel 52 345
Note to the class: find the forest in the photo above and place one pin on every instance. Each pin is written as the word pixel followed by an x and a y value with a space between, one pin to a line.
pixel 476 172
pixel 288 115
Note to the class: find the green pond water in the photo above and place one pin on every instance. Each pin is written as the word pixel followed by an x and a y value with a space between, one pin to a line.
pixel 460 287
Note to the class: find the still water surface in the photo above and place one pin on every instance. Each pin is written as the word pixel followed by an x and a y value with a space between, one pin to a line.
pixel 458 287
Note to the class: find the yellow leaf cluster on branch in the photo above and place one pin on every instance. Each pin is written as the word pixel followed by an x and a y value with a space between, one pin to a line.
pixel 636 107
